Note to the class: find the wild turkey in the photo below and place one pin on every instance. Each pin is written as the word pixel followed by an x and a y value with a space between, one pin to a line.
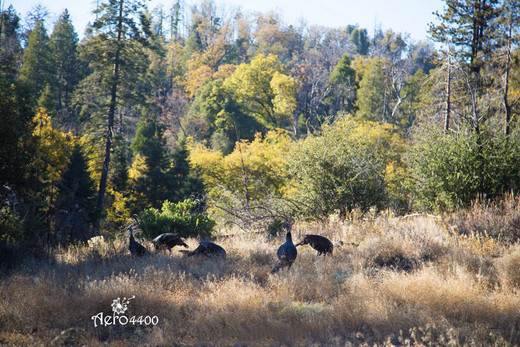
pixel 287 252
pixel 135 247
pixel 319 243
pixel 168 241
pixel 208 249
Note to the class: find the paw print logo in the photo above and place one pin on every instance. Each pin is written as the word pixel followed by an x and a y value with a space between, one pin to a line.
pixel 120 306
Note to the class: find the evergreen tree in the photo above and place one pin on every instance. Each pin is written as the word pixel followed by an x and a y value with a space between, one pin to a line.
pixel 342 83
pixel 77 184
pixel 76 201
pixel 10 47
pixel 115 53
pixel 16 140
pixel 186 183
pixel 37 64
pixel 17 144
pixel 467 25
pixel 175 19
pixel 371 93
pixel 64 45
pixel 359 38
pixel 194 43
pixel 47 101
pixel 507 32
pixel 153 183
pixel 343 73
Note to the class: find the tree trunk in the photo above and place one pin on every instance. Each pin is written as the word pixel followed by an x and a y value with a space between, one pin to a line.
pixel 448 98
pixel 507 105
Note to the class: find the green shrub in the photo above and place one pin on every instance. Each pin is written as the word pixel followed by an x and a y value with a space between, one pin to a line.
pixel 452 170
pixel 180 218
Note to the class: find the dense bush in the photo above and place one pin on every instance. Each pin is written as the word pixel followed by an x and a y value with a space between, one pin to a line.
pixel 181 218
pixel 343 167
pixel 452 170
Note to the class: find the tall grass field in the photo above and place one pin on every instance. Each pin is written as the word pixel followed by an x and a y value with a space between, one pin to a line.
pixel 415 280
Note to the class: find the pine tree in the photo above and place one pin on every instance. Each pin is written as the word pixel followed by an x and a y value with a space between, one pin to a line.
pixel 64 45
pixel 467 25
pixel 17 146
pixel 194 43
pixel 154 183
pixel 38 68
pixel 186 183
pixel 10 46
pixel 507 31
pixel 76 203
pixel 47 101
pixel 77 185
pixel 371 93
pixel 341 81
pixel 115 53
pixel 359 38
pixel 175 19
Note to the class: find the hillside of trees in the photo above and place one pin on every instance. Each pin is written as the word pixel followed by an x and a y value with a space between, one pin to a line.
pixel 245 120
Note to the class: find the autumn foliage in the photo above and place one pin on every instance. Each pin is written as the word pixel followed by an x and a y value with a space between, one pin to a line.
pixel 257 120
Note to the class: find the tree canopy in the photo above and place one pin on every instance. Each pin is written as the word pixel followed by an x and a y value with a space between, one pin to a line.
pixel 249 119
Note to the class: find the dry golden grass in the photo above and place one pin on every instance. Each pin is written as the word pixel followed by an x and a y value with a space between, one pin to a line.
pixel 394 281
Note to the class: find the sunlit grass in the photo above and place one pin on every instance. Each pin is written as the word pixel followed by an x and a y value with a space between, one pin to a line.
pixel 443 289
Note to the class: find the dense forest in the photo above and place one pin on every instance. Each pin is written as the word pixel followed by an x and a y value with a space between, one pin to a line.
pixel 188 116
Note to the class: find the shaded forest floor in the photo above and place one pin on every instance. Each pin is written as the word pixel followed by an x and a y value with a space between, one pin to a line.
pixel 394 281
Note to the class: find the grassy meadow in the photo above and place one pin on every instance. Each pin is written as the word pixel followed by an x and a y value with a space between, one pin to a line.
pixel 415 280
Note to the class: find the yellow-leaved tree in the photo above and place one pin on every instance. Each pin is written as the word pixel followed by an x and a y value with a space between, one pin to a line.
pixel 265 90
pixel 53 155
pixel 196 77
pixel 244 182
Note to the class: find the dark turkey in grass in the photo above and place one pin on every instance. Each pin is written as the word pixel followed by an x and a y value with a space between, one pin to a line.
pixel 208 249
pixel 135 247
pixel 168 241
pixel 286 252
pixel 319 243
